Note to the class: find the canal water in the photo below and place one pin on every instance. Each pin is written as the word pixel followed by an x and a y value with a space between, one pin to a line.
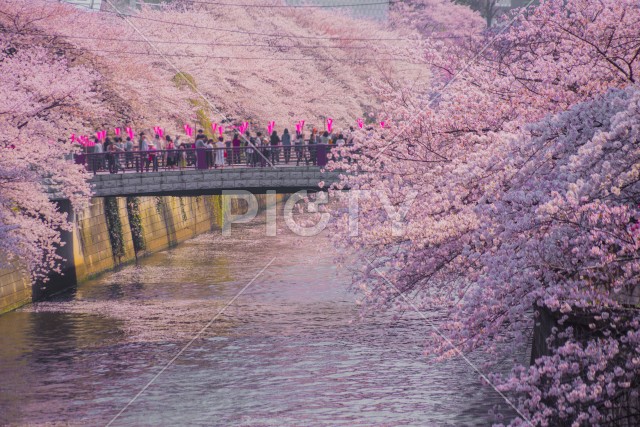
pixel 289 351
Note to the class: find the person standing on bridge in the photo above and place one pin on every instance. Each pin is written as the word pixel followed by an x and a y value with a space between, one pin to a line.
pixel 301 152
pixel 182 152
pixel 286 142
pixel 275 151
pixel 128 148
pixel 313 141
pixel 236 148
pixel 98 155
pixel 220 153
pixel 144 158
pixel 152 158
pixel 266 151
pixel 324 140
pixel 172 154
pixel 211 154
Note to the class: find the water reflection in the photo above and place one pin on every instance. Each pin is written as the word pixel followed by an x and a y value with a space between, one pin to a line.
pixel 287 352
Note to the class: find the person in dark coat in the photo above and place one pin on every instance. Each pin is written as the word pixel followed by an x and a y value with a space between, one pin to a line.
pixel 275 152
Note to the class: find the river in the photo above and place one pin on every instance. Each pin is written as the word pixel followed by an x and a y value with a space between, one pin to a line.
pixel 289 351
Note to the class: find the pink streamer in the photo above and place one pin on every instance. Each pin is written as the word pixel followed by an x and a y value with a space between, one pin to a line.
pixel 329 125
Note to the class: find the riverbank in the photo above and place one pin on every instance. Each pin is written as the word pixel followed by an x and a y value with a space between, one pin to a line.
pixel 114 231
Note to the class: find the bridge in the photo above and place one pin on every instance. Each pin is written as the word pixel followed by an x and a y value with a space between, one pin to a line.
pixel 153 173
pixel 194 182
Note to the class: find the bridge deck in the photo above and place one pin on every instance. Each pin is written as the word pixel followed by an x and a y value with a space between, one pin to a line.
pixel 212 181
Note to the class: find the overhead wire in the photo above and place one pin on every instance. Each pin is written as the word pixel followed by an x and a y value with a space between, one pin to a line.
pixel 297 46
pixel 253 33
pixel 202 56
pixel 273 6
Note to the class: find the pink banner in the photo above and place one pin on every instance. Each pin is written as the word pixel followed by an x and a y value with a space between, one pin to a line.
pixel 329 124
pixel 117 130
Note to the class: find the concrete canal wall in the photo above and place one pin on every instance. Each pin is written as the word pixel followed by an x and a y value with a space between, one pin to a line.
pixel 114 230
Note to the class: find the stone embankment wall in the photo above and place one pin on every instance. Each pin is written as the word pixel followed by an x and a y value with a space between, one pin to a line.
pixel 115 230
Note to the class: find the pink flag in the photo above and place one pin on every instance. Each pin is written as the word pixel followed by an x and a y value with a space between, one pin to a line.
pixel 360 123
pixel 329 125
pixel 271 126
pixel 117 130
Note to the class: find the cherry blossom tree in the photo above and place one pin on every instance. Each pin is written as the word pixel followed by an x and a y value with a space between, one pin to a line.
pixel 280 64
pixel 436 19
pixel 41 97
pixel 65 70
pixel 512 189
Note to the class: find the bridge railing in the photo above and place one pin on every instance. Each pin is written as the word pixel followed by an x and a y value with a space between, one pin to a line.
pixel 205 158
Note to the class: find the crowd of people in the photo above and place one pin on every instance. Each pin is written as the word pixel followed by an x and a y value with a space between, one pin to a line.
pixel 148 154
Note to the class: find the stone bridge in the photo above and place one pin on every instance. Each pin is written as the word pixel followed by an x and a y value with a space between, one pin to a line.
pixel 212 181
